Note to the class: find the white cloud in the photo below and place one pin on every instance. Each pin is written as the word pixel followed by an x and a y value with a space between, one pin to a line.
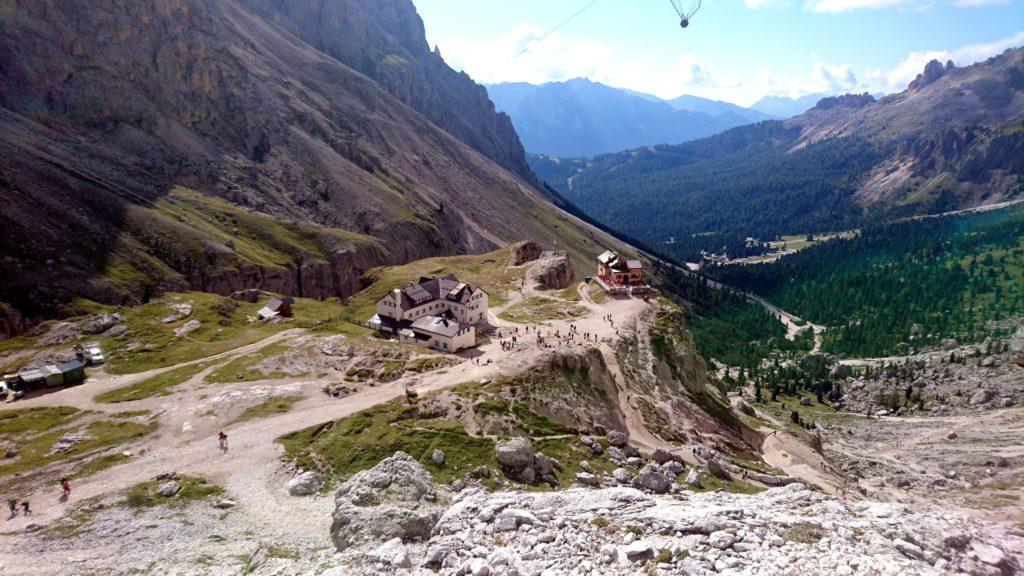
pixel 767 4
pixel 560 57
pixel 822 78
pixel 838 6
pixel 977 3
pixel 899 77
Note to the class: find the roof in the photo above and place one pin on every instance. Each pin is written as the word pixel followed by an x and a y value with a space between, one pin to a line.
pixel 273 305
pixel 634 264
pixel 430 289
pixel 29 375
pixel 69 366
pixel 437 325
pixel 50 370
pixel 607 257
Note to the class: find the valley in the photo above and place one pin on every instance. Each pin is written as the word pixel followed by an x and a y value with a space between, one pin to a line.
pixel 286 291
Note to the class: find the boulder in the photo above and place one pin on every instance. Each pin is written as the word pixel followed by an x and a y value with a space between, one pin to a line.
pixel 949 344
pixel 717 470
pixel 981 397
pixel 392 553
pixel 909 549
pixel 187 328
pixel 989 554
pixel 587 479
pixel 638 551
pixel 544 464
pixel 552 271
pixel 440 548
pixel 805 401
pixel 661 456
pixel 304 484
pixel 168 489
pixel 988 362
pixel 622 476
pixel 721 539
pixel 653 481
pixel 224 504
pixel 693 478
pixel 394 499
pixel 438 457
pixel 514 454
pixel 617 438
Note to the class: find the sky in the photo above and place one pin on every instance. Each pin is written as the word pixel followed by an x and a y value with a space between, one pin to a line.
pixel 733 50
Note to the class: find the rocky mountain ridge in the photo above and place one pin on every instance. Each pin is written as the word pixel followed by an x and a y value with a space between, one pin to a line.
pixel 108 109
pixel 953 141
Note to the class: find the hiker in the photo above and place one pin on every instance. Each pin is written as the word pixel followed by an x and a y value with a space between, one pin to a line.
pixel 25 509
pixel 65 485
pixel 223 440
pixel 12 503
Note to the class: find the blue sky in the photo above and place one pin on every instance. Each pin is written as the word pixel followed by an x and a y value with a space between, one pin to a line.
pixel 734 50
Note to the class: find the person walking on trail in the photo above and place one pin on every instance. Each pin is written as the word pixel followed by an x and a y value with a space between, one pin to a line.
pixel 12 503
pixel 65 486
pixel 223 438
pixel 25 509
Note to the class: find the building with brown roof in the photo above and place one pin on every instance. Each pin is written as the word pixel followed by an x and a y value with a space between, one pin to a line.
pixel 438 313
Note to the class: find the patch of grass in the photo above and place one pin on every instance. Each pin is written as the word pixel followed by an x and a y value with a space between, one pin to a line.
pixel 99 464
pixel 571 293
pixel 427 364
pixel 537 425
pixel 159 385
pixel 358 442
pixel 804 533
pixel 224 326
pixel 279 552
pixel 538 310
pixel 34 448
pixel 271 407
pixel 193 488
pixel 246 366
pixel 35 419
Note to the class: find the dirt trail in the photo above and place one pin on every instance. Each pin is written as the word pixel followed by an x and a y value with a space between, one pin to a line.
pixel 100 381
pixel 251 470
pixel 787 453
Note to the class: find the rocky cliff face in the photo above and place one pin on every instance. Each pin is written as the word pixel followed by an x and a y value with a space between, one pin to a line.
pixel 669 381
pixel 106 108
pixel 385 40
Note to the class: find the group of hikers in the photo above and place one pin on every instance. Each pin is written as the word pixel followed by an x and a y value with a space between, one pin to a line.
pixel 65 486
pixel 26 509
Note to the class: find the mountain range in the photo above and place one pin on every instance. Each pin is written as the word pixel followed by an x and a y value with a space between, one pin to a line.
pixel 220 145
pixel 581 118
pixel 786 107
pixel 954 139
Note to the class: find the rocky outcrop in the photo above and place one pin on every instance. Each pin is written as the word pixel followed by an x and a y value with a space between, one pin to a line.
pixel 394 499
pixel 668 380
pixel 779 529
pixel 10 322
pixel 523 252
pixel 933 70
pixel 552 271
